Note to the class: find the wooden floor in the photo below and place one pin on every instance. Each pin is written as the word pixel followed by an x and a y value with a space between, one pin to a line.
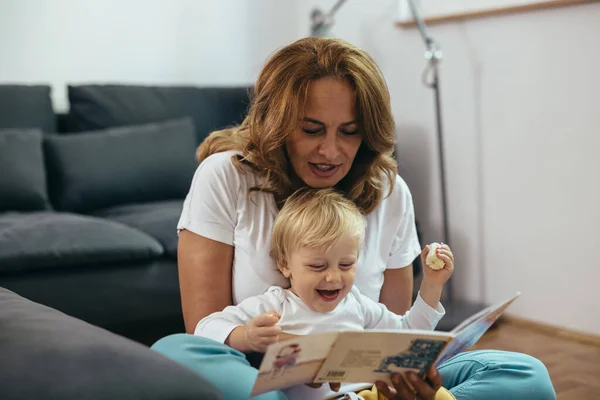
pixel 574 367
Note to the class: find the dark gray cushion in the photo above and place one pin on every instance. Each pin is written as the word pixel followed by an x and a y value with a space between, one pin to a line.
pixel 22 171
pixel 131 164
pixel 42 240
pixel 49 355
pixel 158 219
pixel 104 106
pixel 23 106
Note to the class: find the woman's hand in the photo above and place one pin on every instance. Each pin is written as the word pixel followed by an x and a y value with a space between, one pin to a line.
pixel 334 386
pixel 402 391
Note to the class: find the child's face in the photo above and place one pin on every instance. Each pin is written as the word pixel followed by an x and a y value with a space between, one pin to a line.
pixel 322 277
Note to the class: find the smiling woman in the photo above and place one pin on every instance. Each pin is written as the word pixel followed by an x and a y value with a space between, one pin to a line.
pixel 320 119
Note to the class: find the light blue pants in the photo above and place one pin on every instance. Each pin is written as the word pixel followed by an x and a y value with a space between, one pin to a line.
pixel 476 375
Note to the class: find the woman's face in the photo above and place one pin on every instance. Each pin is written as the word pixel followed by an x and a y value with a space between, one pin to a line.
pixel 322 149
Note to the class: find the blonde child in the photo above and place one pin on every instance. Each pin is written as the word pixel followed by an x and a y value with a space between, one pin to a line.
pixel 316 242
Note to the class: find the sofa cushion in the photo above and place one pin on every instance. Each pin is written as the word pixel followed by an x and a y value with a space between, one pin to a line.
pixel 104 106
pixel 43 240
pixel 158 219
pixel 23 106
pixel 131 164
pixel 49 355
pixel 23 175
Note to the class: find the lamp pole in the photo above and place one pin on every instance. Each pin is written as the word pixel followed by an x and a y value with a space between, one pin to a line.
pixel 321 22
pixel 457 311
pixel 433 55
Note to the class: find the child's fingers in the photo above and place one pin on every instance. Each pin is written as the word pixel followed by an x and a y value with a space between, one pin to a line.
pixel 267 331
pixel 445 252
pixel 445 257
pixel 265 320
pixel 266 341
pixel 447 260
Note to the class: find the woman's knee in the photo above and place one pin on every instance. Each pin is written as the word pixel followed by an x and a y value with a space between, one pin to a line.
pixel 490 374
pixel 536 376
pixel 169 342
pixel 191 346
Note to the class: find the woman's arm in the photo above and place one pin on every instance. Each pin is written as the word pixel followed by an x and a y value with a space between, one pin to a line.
pixel 204 276
pixel 397 289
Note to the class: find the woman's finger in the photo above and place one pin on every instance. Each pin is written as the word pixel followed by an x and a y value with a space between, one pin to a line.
pixel 403 391
pixel 385 390
pixel 424 390
pixel 314 385
pixel 435 378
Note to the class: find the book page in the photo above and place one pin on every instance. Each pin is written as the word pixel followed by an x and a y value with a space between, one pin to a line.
pixel 292 362
pixel 373 355
pixel 472 329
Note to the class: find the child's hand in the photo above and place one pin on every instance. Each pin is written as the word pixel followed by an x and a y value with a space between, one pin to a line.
pixel 262 331
pixel 441 276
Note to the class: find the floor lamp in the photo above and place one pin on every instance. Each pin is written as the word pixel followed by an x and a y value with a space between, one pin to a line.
pixel 456 311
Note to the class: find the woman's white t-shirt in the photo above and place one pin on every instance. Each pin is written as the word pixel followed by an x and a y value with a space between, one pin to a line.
pixel 219 207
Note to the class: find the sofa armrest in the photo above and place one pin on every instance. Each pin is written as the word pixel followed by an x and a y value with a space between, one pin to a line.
pixel 46 354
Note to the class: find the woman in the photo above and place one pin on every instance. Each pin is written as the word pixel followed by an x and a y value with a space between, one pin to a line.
pixel 320 117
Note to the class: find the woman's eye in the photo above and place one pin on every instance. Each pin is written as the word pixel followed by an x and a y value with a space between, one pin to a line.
pixel 350 133
pixel 311 131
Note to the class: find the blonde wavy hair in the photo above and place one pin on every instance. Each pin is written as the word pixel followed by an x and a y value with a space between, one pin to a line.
pixel 277 109
pixel 315 218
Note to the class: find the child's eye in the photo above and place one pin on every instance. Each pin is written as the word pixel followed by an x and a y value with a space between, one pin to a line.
pixel 346 265
pixel 317 266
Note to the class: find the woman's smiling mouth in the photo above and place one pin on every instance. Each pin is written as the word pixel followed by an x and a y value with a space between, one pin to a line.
pixel 324 170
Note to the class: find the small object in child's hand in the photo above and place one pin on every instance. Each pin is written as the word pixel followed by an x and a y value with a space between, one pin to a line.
pixel 432 259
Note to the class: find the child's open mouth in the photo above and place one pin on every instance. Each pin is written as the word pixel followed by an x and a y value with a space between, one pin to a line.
pixel 329 295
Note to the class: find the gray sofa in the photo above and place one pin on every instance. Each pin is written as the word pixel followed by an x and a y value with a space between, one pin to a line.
pixel 48 355
pixel 89 200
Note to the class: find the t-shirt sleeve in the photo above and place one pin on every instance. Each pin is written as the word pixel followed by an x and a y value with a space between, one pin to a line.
pixel 218 326
pixel 210 207
pixel 405 247
pixel 420 316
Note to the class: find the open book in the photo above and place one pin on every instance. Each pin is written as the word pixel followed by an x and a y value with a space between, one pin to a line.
pixel 367 356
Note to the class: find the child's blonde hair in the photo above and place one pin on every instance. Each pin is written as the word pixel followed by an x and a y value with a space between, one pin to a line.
pixel 315 218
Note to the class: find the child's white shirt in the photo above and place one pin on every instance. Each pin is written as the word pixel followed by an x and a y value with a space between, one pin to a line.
pixel 355 312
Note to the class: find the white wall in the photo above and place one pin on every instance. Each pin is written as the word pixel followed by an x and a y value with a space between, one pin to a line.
pixel 522 128
pixel 221 42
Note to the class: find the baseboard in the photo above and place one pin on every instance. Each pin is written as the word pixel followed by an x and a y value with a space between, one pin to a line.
pixel 553 330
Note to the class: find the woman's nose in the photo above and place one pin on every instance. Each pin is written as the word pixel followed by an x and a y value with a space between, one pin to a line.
pixel 329 146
